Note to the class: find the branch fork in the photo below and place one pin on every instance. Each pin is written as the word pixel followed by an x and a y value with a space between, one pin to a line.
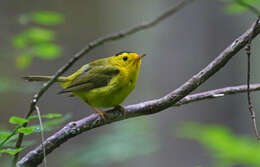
pixel 178 97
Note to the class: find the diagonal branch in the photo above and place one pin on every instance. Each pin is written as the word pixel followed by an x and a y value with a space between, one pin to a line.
pixel 35 157
pixel 212 94
pixel 72 129
pixel 87 49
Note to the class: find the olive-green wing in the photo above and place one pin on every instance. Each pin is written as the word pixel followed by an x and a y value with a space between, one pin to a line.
pixel 92 77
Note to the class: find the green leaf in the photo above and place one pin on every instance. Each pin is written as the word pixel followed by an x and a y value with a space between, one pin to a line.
pixel 51 124
pixel 12 142
pixel 17 120
pixel 47 17
pixel 33 36
pixel 47 116
pixel 27 130
pixel 11 151
pixel 23 61
pixel 39 35
pixel 20 41
pixel 52 115
pixel 47 51
pixel 234 7
pixel 4 134
pixel 227 148
pixel 11 85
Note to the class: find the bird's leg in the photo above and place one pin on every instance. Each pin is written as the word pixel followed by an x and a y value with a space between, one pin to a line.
pixel 121 109
pixel 100 113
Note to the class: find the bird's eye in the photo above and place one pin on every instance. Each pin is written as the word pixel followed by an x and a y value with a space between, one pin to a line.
pixel 125 58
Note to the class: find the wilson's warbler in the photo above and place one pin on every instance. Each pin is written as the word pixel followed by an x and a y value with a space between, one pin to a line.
pixel 102 83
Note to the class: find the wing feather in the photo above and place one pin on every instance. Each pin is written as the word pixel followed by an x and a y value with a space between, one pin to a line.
pixel 93 77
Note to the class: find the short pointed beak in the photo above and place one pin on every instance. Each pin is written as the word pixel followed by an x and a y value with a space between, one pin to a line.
pixel 140 57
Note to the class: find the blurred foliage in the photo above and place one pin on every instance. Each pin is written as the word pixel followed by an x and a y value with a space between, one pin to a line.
pixel 32 36
pixel 11 85
pixel 33 42
pixel 17 120
pixel 226 148
pixel 49 116
pixel 46 17
pixel 37 41
pixel 125 141
pixel 48 125
pixel 26 131
pixel 10 151
pixel 51 124
pixel 234 7
pixel 23 60
pixel 47 51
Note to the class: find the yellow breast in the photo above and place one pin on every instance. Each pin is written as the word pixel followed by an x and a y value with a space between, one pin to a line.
pixel 114 93
pixel 119 87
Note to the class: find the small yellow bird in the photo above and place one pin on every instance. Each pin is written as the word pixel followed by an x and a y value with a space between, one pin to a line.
pixel 102 83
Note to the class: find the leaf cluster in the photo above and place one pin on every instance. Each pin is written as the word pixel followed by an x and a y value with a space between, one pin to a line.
pixel 239 6
pixel 37 41
pixel 54 119
pixel 226 148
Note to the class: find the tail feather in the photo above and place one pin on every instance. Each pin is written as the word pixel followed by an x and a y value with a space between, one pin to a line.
pixel 43 78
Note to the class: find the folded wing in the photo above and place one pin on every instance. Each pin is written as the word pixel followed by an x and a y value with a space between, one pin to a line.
pixel 93 77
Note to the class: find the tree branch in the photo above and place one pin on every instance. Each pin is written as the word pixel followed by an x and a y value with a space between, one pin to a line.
pixel 73 129
pixel 250 104
pixel 35 157
pixel 87 49
pixel 255 11
pixel 217 93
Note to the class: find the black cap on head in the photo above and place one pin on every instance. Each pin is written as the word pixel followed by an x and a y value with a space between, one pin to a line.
pixel 119 53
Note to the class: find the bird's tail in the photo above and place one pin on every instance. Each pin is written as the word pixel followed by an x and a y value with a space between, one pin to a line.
pixel 44 78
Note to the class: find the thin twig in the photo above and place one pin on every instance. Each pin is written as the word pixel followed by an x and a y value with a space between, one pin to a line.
pixel 217 93
pixel 9 137
pixel 42 134
pixel 248 52
pixel 250 105
pixel 34 157
pixel 90 47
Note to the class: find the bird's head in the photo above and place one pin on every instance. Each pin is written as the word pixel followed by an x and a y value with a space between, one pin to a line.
pixel 126 59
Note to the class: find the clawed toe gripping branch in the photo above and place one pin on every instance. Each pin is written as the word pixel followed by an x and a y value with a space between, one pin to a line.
pixel 175 98
pixel 179 96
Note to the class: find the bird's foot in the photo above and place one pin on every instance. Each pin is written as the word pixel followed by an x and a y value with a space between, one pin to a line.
pixel 101 114
pixel 121 109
